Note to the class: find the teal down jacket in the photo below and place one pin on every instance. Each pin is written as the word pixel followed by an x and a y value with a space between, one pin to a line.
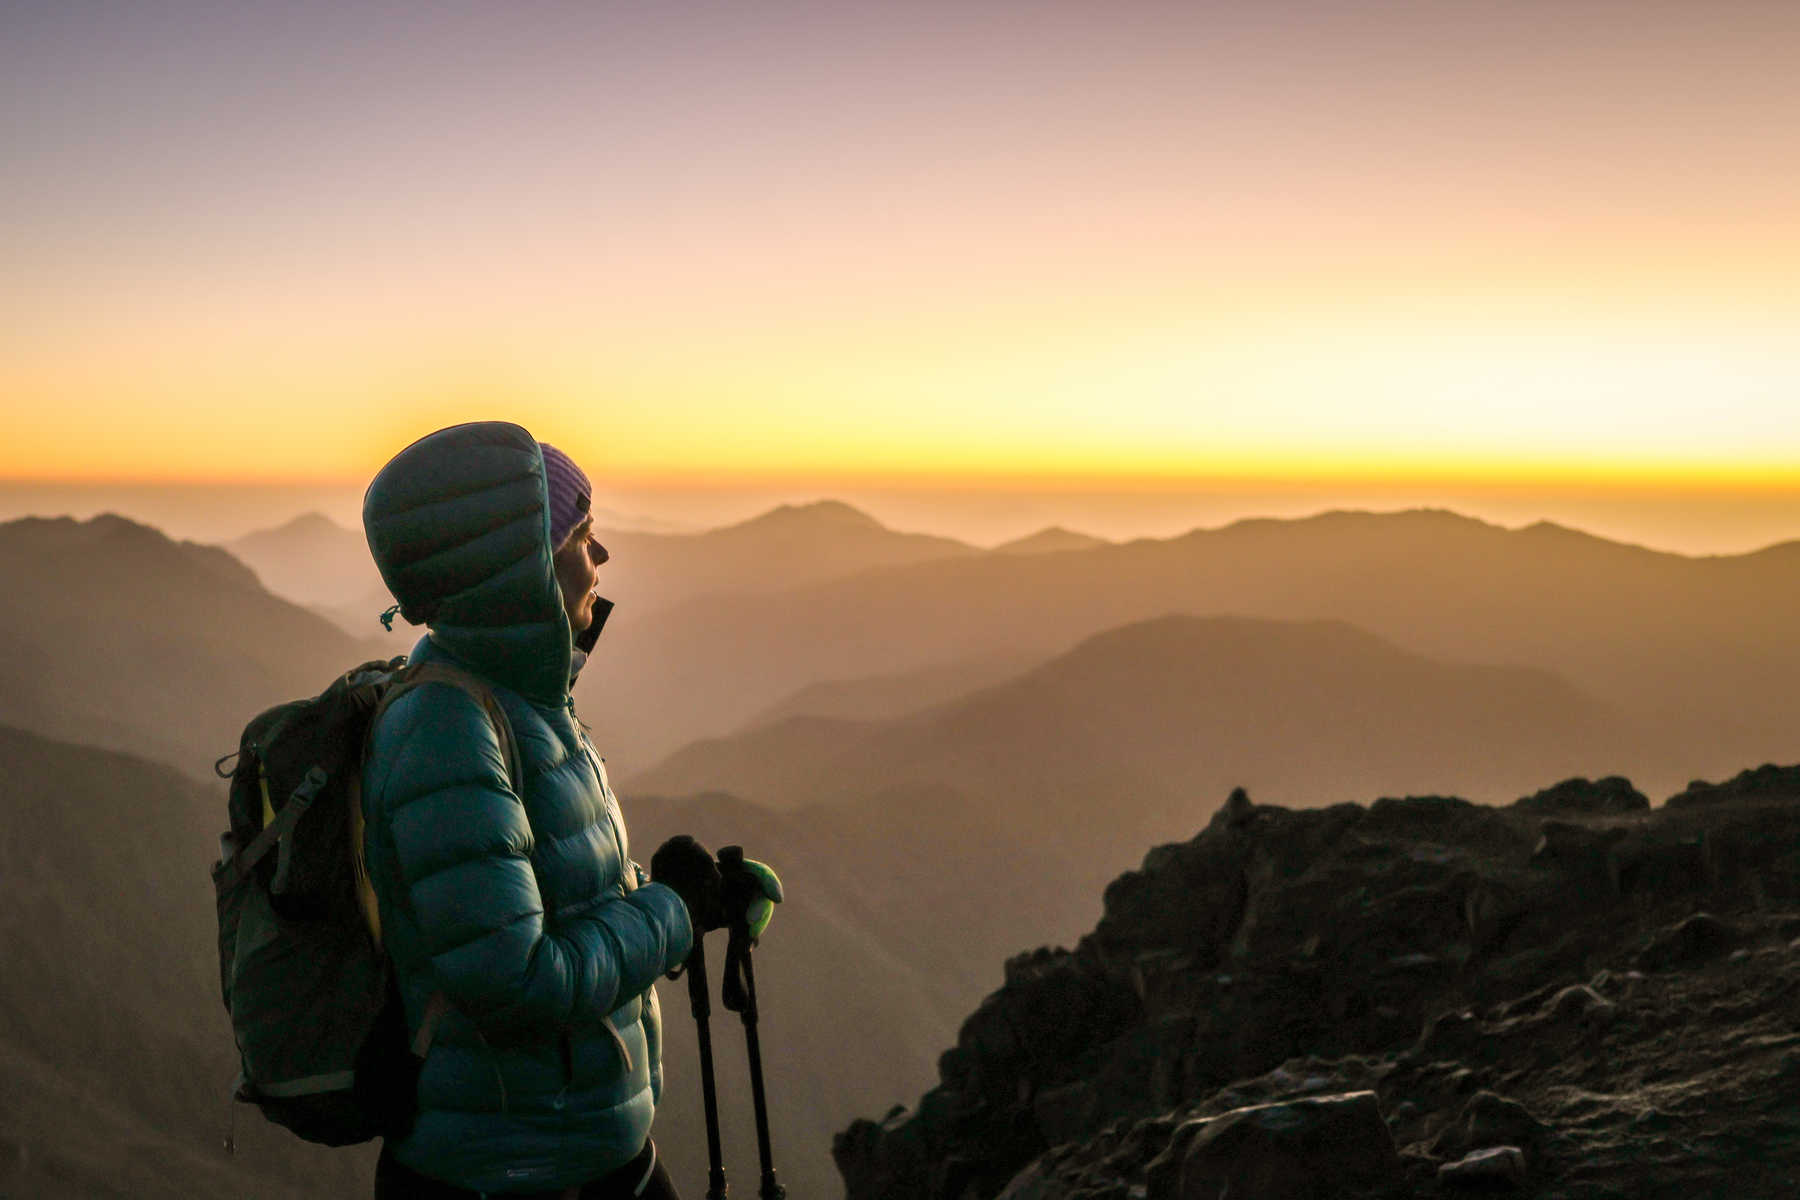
pixel 525 912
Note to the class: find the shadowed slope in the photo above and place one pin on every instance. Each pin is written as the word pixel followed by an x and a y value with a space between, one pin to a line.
pixel 882 697
pixel 1135 722
pixel 116 1057
pixel 113 635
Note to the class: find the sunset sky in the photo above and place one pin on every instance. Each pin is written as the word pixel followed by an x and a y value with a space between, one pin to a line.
pixel 1032 244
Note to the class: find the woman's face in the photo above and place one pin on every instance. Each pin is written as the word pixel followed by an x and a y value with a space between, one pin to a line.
pixel 578 562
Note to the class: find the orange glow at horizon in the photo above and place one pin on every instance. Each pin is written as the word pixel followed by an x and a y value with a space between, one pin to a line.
pixel 1295 241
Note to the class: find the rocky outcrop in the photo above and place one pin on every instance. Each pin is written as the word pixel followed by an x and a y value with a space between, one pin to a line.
pixel 1614 794
pixel 1573 996
pixel 1767 782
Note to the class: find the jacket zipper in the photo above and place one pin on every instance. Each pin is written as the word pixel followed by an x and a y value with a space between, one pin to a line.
pixel 613 817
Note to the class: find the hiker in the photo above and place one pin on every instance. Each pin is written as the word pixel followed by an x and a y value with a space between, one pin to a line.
pixel 524 939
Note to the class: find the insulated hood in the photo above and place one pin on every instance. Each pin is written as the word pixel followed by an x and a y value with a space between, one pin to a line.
pixel 459 525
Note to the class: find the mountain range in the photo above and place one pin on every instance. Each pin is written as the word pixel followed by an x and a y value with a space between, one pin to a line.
pixel 947 752
pixel 1070 769
pixel 1164 709
pixel 318 563
pixel 1698 648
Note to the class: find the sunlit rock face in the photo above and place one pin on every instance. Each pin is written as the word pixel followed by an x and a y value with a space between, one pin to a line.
pixel 1575 996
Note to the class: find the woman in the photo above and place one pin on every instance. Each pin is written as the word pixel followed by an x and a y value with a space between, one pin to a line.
pixel 524 938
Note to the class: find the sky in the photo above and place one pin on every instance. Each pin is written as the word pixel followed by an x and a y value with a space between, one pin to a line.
pixel 1300 246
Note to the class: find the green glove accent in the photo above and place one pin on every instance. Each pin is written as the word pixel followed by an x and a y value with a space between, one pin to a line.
pixel 762 908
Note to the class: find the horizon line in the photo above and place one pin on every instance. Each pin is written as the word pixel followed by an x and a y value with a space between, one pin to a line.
pixel 1418 510
pixel 1759 481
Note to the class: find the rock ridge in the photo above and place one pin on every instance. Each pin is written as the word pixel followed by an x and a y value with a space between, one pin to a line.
pixel 1574 996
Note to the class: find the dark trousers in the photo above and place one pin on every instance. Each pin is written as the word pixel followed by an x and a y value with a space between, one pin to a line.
pixel 644 1178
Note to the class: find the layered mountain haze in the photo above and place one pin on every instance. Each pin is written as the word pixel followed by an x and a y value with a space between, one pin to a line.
pixel 1130 737
pixel 947 752
pixel 316 562
pixel 786 547
pixel 311 560
pixel 1698 647
pixel 113 635
pixel 884 696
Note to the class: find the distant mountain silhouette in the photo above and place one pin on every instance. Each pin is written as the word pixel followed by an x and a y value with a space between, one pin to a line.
pixel 787 547
pixel 113 635
pixel 318 563
pixel 1701 646
pixel 311 560
pixel 1053 540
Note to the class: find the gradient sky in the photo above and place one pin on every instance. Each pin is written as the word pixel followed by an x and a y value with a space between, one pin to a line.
pixel 1035 241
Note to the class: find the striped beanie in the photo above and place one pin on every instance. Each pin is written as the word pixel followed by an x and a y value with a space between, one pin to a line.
pixel 570 493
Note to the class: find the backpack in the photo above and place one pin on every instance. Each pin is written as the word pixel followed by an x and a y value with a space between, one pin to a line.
pixel 315 1009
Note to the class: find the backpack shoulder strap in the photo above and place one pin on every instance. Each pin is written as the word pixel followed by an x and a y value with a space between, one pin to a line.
pixel 478 691
pixel 409 678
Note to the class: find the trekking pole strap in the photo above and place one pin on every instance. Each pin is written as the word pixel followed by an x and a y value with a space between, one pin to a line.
pixel 735 993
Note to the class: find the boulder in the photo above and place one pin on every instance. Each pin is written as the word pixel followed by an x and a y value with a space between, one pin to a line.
pixel 1236 813
pixel 1497 1165
pixel 1416 812
pixel 1597 797
pixel 1579 1006
pixel 1767 782
pixel 1694 940
pixel 1487 1119
pixel 1304 1149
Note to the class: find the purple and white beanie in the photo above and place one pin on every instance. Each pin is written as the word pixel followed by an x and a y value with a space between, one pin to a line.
pixel 570 492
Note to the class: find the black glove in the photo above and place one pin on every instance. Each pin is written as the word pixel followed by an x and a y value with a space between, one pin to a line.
pixel 684 865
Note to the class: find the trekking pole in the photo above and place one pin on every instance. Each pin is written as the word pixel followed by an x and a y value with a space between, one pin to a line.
pixel 701 1003
pixel 739 995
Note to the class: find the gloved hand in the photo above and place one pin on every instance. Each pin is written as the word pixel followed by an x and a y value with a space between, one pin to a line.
pixel 684 865
pixel 750 888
